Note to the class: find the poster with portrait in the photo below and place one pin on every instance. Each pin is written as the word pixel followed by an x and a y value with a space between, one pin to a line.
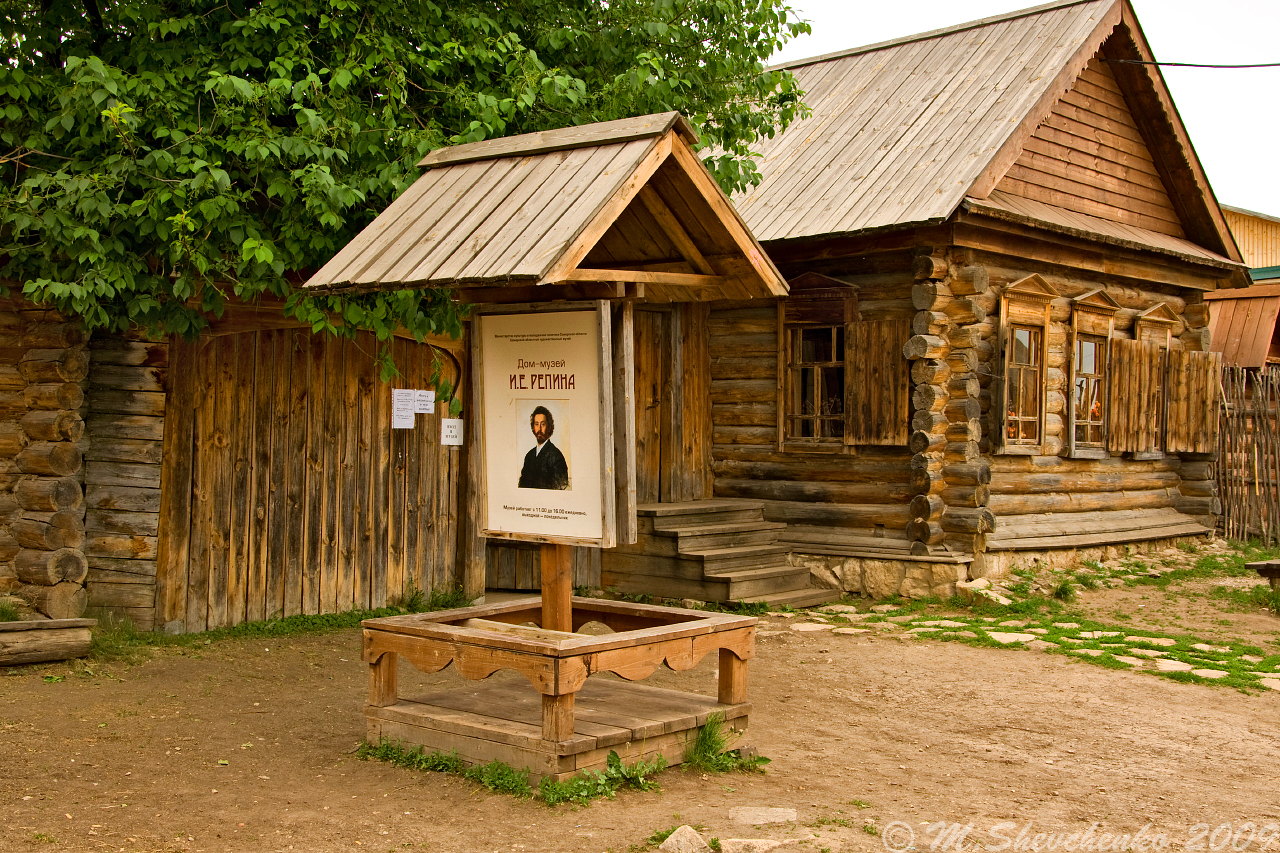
pixel 545 431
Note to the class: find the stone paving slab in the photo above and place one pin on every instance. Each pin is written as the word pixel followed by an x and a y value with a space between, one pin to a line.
pixel 1008 637
pixel 1166 665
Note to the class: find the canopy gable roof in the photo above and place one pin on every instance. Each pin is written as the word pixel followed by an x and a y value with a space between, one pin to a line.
pixel 609 209
pixel 909 132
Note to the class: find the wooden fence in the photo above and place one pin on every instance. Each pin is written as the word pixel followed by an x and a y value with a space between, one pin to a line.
pixel 1249 454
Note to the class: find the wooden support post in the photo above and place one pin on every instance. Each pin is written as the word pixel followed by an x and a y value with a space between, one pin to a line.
pixel 382 680
pixel 733 678
pixel 557 716
pixel 557 587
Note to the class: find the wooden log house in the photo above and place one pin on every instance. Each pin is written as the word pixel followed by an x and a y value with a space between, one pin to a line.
pixel 995 350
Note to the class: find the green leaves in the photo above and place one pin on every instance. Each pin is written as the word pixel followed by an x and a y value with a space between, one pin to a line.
pixel 181 153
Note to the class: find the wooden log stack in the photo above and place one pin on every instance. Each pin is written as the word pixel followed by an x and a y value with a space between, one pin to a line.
pixel 44 364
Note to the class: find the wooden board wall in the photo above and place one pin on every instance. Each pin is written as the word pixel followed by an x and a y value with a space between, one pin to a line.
pixel 1088 156
pixel 1257 236
pixel 124 431
pixel 302 499
pixel 865 488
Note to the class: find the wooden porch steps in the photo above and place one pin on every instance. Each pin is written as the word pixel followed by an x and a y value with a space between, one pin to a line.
pixel 715 550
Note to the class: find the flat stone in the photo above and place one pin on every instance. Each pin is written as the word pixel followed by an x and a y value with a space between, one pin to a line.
pixel 1251 658
pixel 1210 673
pixel 1098 635
pixel 883 608
pixel 946 623
pixel 757 815
pixel 1007 637
pixel 1072 640
pixel 1041 645
pixel 968 634
pixel 840 608
pixel 923 630
pixel 1132 661
pixel 1271 683
pixel 1013 623
pixel 805 627
pixel 748 845
pixel 850 631
pixel 1166 665
pixel 1066 625
pixel 1041 631
pixel 906 617
pixel 992 595
pixel 1205 647
pixel 1149 653
pixel 1093 653
pixel 780 615
pixel 1165 642
pixel 684 840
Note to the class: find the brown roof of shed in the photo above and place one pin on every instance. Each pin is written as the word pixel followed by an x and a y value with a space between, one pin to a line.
pixel 543 209
pixel 902 132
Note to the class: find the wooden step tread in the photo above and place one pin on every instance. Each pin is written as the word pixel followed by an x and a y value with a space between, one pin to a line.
pixel 741 575
pixel 1083 540
pixel 736 551
pixel 730 527
pixel 663 510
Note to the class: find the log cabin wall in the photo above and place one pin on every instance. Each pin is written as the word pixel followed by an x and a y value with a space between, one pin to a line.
pixel 1007 507
pixel 828 495
pixel 43 365
pixel 124 448
pixel 285 489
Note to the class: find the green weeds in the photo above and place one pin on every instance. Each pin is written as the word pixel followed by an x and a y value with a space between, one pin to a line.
pixel 710 751
pixel 9 611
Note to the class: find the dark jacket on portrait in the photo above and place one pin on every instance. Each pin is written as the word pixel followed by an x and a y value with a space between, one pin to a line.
pixel 544 470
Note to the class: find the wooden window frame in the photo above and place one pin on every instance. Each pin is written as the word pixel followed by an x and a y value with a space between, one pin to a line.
pixel 794 334
pixel 1024 304
pixel 1092 315
pixel 816 301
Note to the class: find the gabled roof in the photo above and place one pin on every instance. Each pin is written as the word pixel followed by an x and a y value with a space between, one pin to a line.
pixel 902 132
pixel 582 208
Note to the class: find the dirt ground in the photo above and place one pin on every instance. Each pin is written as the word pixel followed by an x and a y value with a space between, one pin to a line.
pixel 248 746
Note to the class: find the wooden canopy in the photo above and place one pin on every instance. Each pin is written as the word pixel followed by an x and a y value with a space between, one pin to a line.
pixel 621 208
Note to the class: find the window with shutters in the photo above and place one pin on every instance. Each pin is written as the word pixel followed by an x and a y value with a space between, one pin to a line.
pixel 1024 325
pixel 845 380
pixel 1093 321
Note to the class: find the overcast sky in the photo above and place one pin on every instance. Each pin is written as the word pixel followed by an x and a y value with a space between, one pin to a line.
pixel 1231 115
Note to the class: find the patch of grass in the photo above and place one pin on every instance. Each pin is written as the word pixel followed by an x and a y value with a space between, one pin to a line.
pixel 1085 580
pixel 42 837
pixel 710 752
pixel 862 804
pixel 9 611
pixel 412 759
pixel 830 821
pixel 870 829
pixel 501 778
pixel 1063 590
pixel 120 640
pixel 594 784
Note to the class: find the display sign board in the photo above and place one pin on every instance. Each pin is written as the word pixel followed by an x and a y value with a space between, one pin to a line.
pixel 546 424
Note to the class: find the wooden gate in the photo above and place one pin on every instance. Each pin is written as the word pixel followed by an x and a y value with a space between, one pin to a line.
pixel 289 492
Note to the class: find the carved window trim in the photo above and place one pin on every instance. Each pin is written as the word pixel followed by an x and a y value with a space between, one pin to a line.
pixel 1024 319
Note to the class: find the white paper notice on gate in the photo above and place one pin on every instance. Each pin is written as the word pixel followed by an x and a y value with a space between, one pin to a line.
pixel 402 408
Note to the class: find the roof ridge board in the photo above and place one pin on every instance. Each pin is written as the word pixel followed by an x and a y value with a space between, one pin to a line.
pixel 559 139
pixel 390 245
pixel 890 77
pixel 931 34
pixel 988 96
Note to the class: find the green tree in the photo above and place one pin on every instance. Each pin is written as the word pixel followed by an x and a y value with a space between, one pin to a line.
pixel 161 156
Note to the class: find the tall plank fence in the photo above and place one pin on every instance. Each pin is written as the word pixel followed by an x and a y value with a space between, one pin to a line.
pixel 1249 454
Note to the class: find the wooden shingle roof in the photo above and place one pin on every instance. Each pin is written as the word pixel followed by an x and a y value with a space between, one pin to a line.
pixel 584 207
pixel 903 132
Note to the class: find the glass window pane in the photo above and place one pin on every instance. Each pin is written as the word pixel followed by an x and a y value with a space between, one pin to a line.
pixel 817 344
pixel 1022 346
pixel 807 402
pixel 833 428
pixel 839 343
pixel 833 390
